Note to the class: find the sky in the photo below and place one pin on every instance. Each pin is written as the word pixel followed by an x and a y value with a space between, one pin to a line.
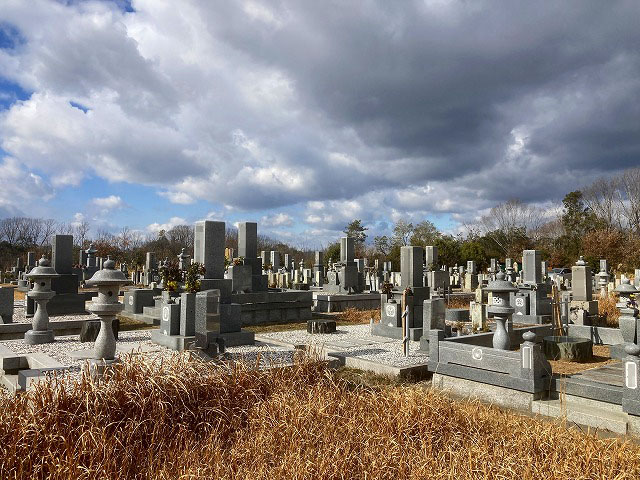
pixel 304 115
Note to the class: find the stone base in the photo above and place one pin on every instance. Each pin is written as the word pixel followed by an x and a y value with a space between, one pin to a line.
pixel 591 307
pixel 531 319
pixel 236 339
pixel 174 342
pixel 340 302
pixel 321 326
pixel 91 328
pixel 382 330
pixel 33 337
pixel 501 396
pixel 568 348
pixel 617 351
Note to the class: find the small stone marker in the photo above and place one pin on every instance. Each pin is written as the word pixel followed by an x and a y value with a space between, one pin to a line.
pixel 321 326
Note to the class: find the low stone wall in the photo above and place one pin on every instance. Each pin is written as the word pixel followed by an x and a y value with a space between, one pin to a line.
pixel 339 303
pixel 274 307
pixel 598 335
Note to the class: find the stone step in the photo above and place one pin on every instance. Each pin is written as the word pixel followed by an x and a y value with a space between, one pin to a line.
pixel 588 413
pixel 10 382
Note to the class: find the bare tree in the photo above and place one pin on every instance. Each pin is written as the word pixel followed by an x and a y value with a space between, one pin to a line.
pixel 630 185
pixel 182 235
pixel 48 228
pixel 604 199
pixel 81 233
pixel 10 229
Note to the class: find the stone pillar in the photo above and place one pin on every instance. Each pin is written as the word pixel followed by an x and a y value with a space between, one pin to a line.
pixel 274 258
pixel 62 254
pixel 347 249
pixel 209 247
pixel 248 239
pixel 431 257
pixel 411 267
pixel 581 282
pixel 531 266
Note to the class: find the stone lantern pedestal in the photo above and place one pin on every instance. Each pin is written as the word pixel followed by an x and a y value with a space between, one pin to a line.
pixel 501 309
pixel 106 306
pixel 41 293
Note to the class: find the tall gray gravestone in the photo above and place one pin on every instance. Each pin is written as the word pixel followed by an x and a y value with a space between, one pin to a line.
pixel 531 266
pixel 62 254
pixel 209 247
pixel 248 239
pixel 411 267
pixel 431 257
pixel 347 249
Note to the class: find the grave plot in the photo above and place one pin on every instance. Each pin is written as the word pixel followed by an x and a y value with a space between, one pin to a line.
pixel 21 364
pixel 355 346
pixel 350 282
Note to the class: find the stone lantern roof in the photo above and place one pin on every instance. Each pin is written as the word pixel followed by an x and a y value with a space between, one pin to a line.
pixel 43 270
pixel 108 275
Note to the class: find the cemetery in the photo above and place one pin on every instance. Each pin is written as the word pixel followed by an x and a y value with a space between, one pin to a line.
pixel 499 348
pixel 309 240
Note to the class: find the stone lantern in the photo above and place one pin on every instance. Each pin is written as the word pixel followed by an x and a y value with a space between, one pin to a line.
pixel 106 306
pixel 628 310
pixel 603 279
pixel 501 309
pixel 41 293
pixel 91 256
pixel 183 259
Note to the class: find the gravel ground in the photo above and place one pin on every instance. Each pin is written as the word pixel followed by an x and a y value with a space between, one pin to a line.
pixel 139 341
pixel 355 340
pixel 19 315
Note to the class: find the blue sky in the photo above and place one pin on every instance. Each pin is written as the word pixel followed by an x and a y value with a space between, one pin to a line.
pixel 303 117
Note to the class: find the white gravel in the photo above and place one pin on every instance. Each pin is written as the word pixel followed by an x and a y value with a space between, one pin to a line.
pixel 139 341
pixel 355 340
pixel 19 315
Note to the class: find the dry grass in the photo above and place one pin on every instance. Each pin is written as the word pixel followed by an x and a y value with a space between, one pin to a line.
pixel 601 357
pixel 457 302
pixel 353 316
pixel 608 311
pixel 190 420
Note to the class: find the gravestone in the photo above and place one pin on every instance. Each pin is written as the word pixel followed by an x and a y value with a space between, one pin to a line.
pixel 347 249
pixel 431 255
pixel 209 247
pixel 274 258
pixel 62 254
pixel 6 305
pixel 531 266
pixel 411 267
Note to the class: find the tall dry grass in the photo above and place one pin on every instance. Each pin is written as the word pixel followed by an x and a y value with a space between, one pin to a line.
pixel 188 420
pixel 608 311
pixel 352 315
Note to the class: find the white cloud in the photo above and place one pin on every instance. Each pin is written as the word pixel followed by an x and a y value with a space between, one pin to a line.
pixel 168 225
pixel 108 203
pixel 256 106
pixel 180 198
pixel 277 220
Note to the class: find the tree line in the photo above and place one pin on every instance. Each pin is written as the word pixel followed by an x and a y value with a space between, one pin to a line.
pixel 601 220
